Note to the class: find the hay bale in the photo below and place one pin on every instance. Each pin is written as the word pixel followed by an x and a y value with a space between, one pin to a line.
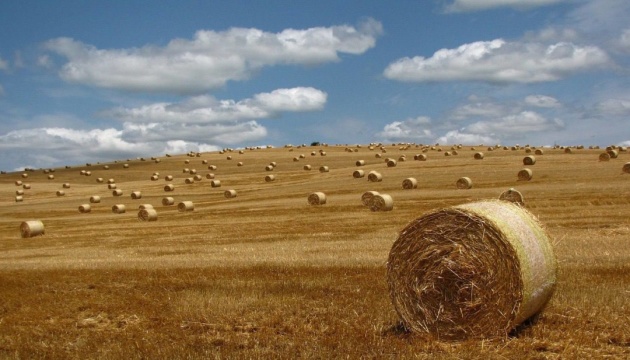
pixel 169 187
pixel 18 183
pixel 391 163
pixel 154 177
pixel 604 156
pixel 367 197
pixel 168 178
pixel 85 208
pixel 192 171
pixel 189 180
pixel 31 228
pixel 187 161
pixel 410 183
pixel 375 176
pixel 420 157
pixel 360 162
pixel 167 201
pixel 381 202
pixel 210 176
pixel 147 215
pixel 19 192
pixel 229 194
pixel 212 167
pixel 269 168
pixel 66 185
pixel 111 186
pixel 51 177
pixel 119 209
pixel 471 271
pixel 273 163
pixel 323 169
pixel 117 192
pixel 197 177
pixel 111 181
pixel 270 178
pixel 478 156
pixel 613 153
pixel 317 198
pixel 240 163
pixel 24 175
pixel 378 156
pixel 568 151
pixel 95 199
pixel 135 195
pixel 185 206
pixel 307 167
pixel 525 175
pixel 26 186
pixel 464 183
pixel 626 168
pixel 358 174
pixel 125 166
pixel 512 195
pixel 185 170
pixel 88 173
pixel 215 183
pixel 529 160
pixel 61 193
pixel 19 198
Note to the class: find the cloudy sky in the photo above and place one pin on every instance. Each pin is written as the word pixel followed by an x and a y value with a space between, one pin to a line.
pixel 88 81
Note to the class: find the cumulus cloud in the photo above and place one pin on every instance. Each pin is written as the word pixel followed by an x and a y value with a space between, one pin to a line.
pixel 624 40
pixel 614 107
pixel 523 122
pixel 457 137
pixel 499 61
pixel 4 65
pixel 410 129
pixel 206 109
pixel 542 101
pixel 210 58
pixel 479 5
pixel 478 109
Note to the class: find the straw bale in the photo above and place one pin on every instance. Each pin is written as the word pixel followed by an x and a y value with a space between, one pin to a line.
pixel 26 186
pixel 185 206
pixel 229 157
pixel 110 181
pixel 229 193
pixel 117 192
pixel 119 209
pixel 210 176
pixel 135 195
pixel 402 158
pixel 626 168
pixel 613 153
pixel 302 156
pixel 378 156
pixel 51 177
pixel 19 198
pixel 323 169
pixel 192 171
pixel 317 198
pixel 410 183
pixel 464 183
pixel 169 187
pixel 189 180
pixel 212 167
pixel 95 199
pixel 88 173
pixel 66 185
pixel 273 163
pixel 360 162
pixel 61 193
pixel 166 201
pixel 269 168
pixel 478 156
pixel 525 174
pixel 322 153
pixel 512 195
pixel 147 215
pixel 19 192
pixel 105 167
pixel 381 202
pixel 85 208
pixel 18 183
pixel 82 172
pixel 240 163
pixel 270 178
pixel 391 163
pixel 476 270
pixel 215 183
pixel 100 180
pixel 375 176
pixel 31 228
pixel 126 166
pixel 185 170
pixel 111 186
pixel 197 177
pixel 604 156
pixel 145 206
pixel 296 159
pixel 367 196
pixel 187 161
pixel 529 160
pixel 25 175
pixel 154 177
pixel 358 174
pixel 307 167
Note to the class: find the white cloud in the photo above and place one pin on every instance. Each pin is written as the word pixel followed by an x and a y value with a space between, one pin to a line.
pixel 45 61
pixel 409 129
pixel 542 101
pixel 523 122
pixel 206 109
pixel 478 109
pixel 478 5
pixel 210 58
pixel 624 40
pixel 614 107
pixel 226 133
pixel 456 137
pixel 499 61
pixel 4 65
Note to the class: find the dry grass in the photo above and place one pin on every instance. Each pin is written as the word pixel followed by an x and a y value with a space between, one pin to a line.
pixel 265 275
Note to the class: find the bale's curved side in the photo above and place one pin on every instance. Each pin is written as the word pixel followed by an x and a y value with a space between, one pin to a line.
pixel 229 194
pixel 626 168
pixel 471 271
pixel 529 160
pixel 374 176
pixel 167 201
pixel 358 174
pixel 119 209
pixel 525 174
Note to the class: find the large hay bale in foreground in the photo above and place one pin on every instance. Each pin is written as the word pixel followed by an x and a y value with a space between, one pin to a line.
pixel 471 271
pixel 31 228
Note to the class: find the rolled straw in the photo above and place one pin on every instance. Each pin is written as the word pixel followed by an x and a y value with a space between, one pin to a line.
pixel 539 152
pixel 66 185
pixel 167 201
pixel 269 168
pixel 229 194
pixel 85 208
pixel 145 206
pixel 471 271
pixel 210 176
pixel 391 163
pixel 119 209
pixel 381 202
pixel 111 186
pixel 420 157
pixel 215 183
pixel 19 192
pixel 307 167
pixel 524 175
pixel 529 160
pixel 19 198
pixel 360 162
pixel 135 195
pixel 51 177
pixel 410 183
pixel 95 199
pixel 169 187
pixel 464 183
pixel 197 177
pixel 111 181
pixel 117 192
pixel 185 206
pixel 367 197
pixel 61 193
pixel 18 183
pixel 323 169
pixel 604 156
pixel 270 178
pixel 375 176
pixel 358 174
pixel 317 198
pixel 626 168
pixel 147 215
pixel 189 180
pixel 512 195
pixel 31 228
pixel 478 156
pixel 154 177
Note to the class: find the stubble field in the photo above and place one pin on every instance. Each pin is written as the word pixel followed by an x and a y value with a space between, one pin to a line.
pixel 266 275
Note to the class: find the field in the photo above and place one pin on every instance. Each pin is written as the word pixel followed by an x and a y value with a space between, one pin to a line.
pixel 266 275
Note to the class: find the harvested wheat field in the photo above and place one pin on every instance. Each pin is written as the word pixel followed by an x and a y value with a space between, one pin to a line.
pixel 266 275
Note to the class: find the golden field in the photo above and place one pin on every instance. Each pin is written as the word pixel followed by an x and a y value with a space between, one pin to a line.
pixel 266 275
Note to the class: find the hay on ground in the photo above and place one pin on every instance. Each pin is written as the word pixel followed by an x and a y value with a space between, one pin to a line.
pixel 307 167
pixel 464 183
pixel 478 156
pixel 270 178
pixel 512 195
pixel 410 183
pixel 119 209
pixel 19 198
pixel 147 215
pixel 167 201
pixel 626 168
pixel 375 176
pixel 117 192
pixel 391 163
pixel 525 175
pixel 381 202
pixel 476 270
pixel 66 185
pixel 529 160
pixel 539 152
pixel 323 169
pixel 85 208
pixel 61 193
pixel 111 186
pixel 317 198
pixel 185 206
pixel 136 195
pixel 32 228
pixel 95 199
pixel 229 194
pixel 215 183
pixel 169 187
pixel 604 156
pixel 358 174
pixel 360 162
pixel 367 197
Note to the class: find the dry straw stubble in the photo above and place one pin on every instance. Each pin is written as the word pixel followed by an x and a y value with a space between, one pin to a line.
pixel 471 271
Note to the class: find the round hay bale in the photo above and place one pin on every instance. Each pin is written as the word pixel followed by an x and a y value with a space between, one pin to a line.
pixel 270 178
pixel 135 195
pixel 421 157
pixel 189 180
pixel 119 209
pixel 204 162
pixel 269 168
pixel 197 177
pixel 111 186
pixel 360 162
pixel 18 183
pixel 111 181
pixel 402 158
pixel 367 197
pixel 626 168
pixel 478 156
pixel 167 201
pixel 374 176
pixel 19 198
pixel 66 185
pixel 125 166
pixel 85 208
pixel 31 228
pixel 568 151
pixel 147 215
pixel 24 176
pixel 302 156
pixel 61 193
pixel 323 169
pixel 378 156
pixel 307 167
pixel 273 163
pixel 215 183
pixel 240 163
pixel 117 192
pixel 154 177
pixel 317 198
pixel 471 271
pixel 105 167
pixel 604 156
pixel 447 153
pixel 19 192
pixel 296 159
pixel 168 178
pixel 187 161
pixel 88 173
pixel 464 183
pixel 525 175
pixel 26 186
pixel 185 170
pixel 322 153
pixel 613 153
pixel 410 183
pixel 192 171
pixel 358 174
pixel 210 176
pixel 229 157
pixel 512 195
pixel 381 202
pixel 145 206
pixel 391 163
pixel 95 199
pixel 229 194
pixel 529 160
pixel 186 206
pixel 169 187
pixel 212 167
pixel 51 177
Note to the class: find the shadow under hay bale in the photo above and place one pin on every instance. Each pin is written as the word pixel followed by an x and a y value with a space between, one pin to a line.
pixel 476 270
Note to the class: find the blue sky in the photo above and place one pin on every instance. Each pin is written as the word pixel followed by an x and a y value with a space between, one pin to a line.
pixel 89 81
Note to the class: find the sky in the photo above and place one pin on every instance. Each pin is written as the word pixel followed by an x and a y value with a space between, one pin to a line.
pixel 91 81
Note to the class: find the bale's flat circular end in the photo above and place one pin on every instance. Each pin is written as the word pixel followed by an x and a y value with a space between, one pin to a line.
pixel 472 271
